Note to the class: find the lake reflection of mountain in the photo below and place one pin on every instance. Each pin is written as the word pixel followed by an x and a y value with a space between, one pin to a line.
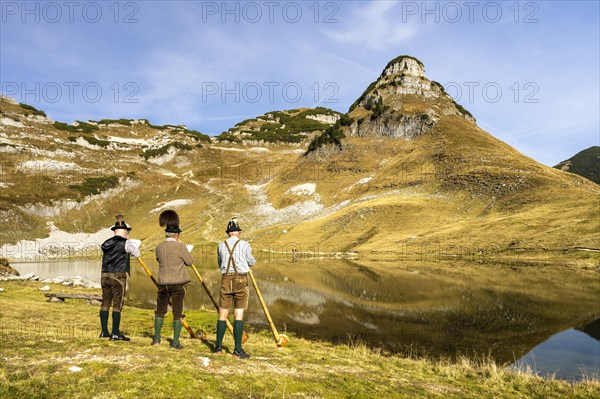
pixel 569 354
pixel 437 309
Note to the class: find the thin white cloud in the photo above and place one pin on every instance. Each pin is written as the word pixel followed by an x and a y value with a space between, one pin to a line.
pixel 565 129
pixel 501 134
pixel 376 26
pixel 335 56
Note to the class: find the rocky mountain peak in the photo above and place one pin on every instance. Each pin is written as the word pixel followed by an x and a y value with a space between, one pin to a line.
pixel 405 65
pixel 401 103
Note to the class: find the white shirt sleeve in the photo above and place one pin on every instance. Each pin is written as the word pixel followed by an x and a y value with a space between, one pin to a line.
pixel 219 254
pixel 132 247
pixel 249 258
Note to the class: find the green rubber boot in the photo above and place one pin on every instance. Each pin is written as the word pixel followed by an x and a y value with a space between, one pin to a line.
pixel 116 328
pixel 158 323
pixel 238 330
pixel 177 324
pixel 221 327
pixel 104 324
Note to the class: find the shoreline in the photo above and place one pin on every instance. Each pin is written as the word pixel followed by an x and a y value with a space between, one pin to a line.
pixel 524 255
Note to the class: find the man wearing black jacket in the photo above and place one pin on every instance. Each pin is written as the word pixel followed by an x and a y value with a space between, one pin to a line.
pixel 115 267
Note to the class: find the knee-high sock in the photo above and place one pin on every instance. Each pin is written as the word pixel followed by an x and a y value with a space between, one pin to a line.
pixel 158 323
pixel 221 327
pixel 104 321
pixel 116 319
pixel 238 330
pixel 177 324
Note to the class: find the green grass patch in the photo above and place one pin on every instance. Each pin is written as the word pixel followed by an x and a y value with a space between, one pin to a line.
pixel 280 126
pixel 332 135
pixel 439 86
pixel 196 135
pixel 346 120
pixel 95 185
pixel 584 163
pixel 94 141
pixel 124 122
pixel 377 107
pixel 90 139
pixel 462 110
pixel 317 111
pixel 32 110
pixel 226 136
pixel 81 127
pixel 157 152
pixel 362 96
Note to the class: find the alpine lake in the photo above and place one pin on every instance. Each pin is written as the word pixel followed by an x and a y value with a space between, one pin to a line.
pixel 540 316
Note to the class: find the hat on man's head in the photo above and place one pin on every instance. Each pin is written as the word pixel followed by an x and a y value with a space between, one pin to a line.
pixel 120 224
pixel 172 228
pixel 168 217
pixel 233 226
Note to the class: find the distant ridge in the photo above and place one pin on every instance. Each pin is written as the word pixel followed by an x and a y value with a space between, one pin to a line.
pixel 585 163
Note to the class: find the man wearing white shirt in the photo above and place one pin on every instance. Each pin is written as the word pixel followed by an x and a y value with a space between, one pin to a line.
pixel 235 259
pixel 116 252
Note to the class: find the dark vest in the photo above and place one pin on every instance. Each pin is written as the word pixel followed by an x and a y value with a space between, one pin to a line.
pixel 114 257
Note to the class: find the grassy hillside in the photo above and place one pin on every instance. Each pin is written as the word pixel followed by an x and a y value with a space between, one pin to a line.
pixel 291 126
pixel 470 190
pixel 406 167
pixel 585 163
pixel 42 341
pixel 447 183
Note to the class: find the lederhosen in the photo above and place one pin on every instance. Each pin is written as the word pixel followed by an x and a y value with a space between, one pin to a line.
pixel 174 295
pixel 234 285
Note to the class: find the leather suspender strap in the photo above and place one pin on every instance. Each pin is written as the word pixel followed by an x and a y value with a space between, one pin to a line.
pixel 231 261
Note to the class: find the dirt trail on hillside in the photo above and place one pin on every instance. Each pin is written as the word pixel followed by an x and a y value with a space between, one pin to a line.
pixel 214 208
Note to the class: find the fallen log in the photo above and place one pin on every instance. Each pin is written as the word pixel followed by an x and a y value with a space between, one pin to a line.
pixel 61 297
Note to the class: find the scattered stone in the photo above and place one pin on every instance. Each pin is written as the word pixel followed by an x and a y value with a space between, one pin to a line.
pixel 303 189
pixel 45 288
pixel 204 361
pixel 5 269
pixel 1 289
pixel 54 299
pixel 75 369
pixel 77 281
pixel 30 277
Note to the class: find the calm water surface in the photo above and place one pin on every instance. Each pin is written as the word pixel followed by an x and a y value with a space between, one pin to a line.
pixel 543 317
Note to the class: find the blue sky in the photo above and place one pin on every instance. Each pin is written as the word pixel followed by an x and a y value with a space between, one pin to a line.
pixel 209 65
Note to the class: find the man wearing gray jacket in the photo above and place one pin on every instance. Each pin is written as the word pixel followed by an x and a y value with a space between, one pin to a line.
pixel 173 257
pixel 235 258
